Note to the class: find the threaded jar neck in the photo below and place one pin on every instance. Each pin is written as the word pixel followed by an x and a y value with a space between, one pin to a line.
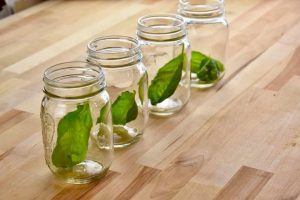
pixel 161 28
pixel 74 79
pixel 114 51
pixel 201 9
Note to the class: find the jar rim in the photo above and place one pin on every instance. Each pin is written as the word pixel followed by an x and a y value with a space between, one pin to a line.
pixel 141 21
pixel 161 27
pixel 209 10
pixel 133 41
pixel 114 51
pixel 50 79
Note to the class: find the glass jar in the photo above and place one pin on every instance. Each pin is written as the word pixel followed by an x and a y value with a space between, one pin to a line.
pixel 166 56
pixel 208 35
pixel 127 82
pixel 76 122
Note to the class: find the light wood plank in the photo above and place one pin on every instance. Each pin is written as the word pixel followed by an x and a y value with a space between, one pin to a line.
pixel 250 119
pixel 245 184
pixel 169 182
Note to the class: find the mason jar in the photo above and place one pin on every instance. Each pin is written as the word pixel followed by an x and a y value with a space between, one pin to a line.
pixel 208 35
pixel 76 122
pixel 166 52
pixel 121 60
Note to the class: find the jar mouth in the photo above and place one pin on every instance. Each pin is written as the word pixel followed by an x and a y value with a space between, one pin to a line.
pixel 114 51
pixel 201 9
pixel 75 78
pixel 161 27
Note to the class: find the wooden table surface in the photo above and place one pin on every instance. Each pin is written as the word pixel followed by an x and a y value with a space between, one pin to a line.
pixel 239 140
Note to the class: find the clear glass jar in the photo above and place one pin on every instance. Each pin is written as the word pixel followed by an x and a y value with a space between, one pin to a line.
pixel 166 54
pixel 208 35
pixel 76 122
pixel 127 82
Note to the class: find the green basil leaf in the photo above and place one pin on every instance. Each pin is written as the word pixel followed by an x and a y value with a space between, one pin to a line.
pixel 202 74
pixel 72 137
pixel 220 66
pixel 124 109
pixel 196 60
pixel 103 114
pixel 209 71
pixel 206 68
pixel 141 87
pixel 214 71
pixel 166 80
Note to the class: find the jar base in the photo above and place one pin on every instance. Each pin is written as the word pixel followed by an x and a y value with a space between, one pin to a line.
pixel 125 136
pixel 166 108
pixel 82 173
pixel 196 83
pixel 203 85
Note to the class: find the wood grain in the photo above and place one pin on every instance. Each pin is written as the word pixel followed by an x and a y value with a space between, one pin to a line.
pixel 289 71
pixel 85 191
pixel 238 140
pixel 143 178
pixel 169 182
pixel 11 118
pixel 245 184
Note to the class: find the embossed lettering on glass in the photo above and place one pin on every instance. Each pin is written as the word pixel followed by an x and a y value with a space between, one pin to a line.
pixel 76 122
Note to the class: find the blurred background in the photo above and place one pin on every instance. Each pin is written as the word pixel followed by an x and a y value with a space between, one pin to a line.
pixel 9 7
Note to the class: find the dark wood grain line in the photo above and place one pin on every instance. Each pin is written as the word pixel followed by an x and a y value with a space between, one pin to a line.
pixel 236 72
pixel 6 153
pixel 291 69
pixel 253 34
pixel 11 118
pixel 291 190
pixel 245 184
pixel 173 142
pixel 74 192
pixel 142 179
pixel 177 175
